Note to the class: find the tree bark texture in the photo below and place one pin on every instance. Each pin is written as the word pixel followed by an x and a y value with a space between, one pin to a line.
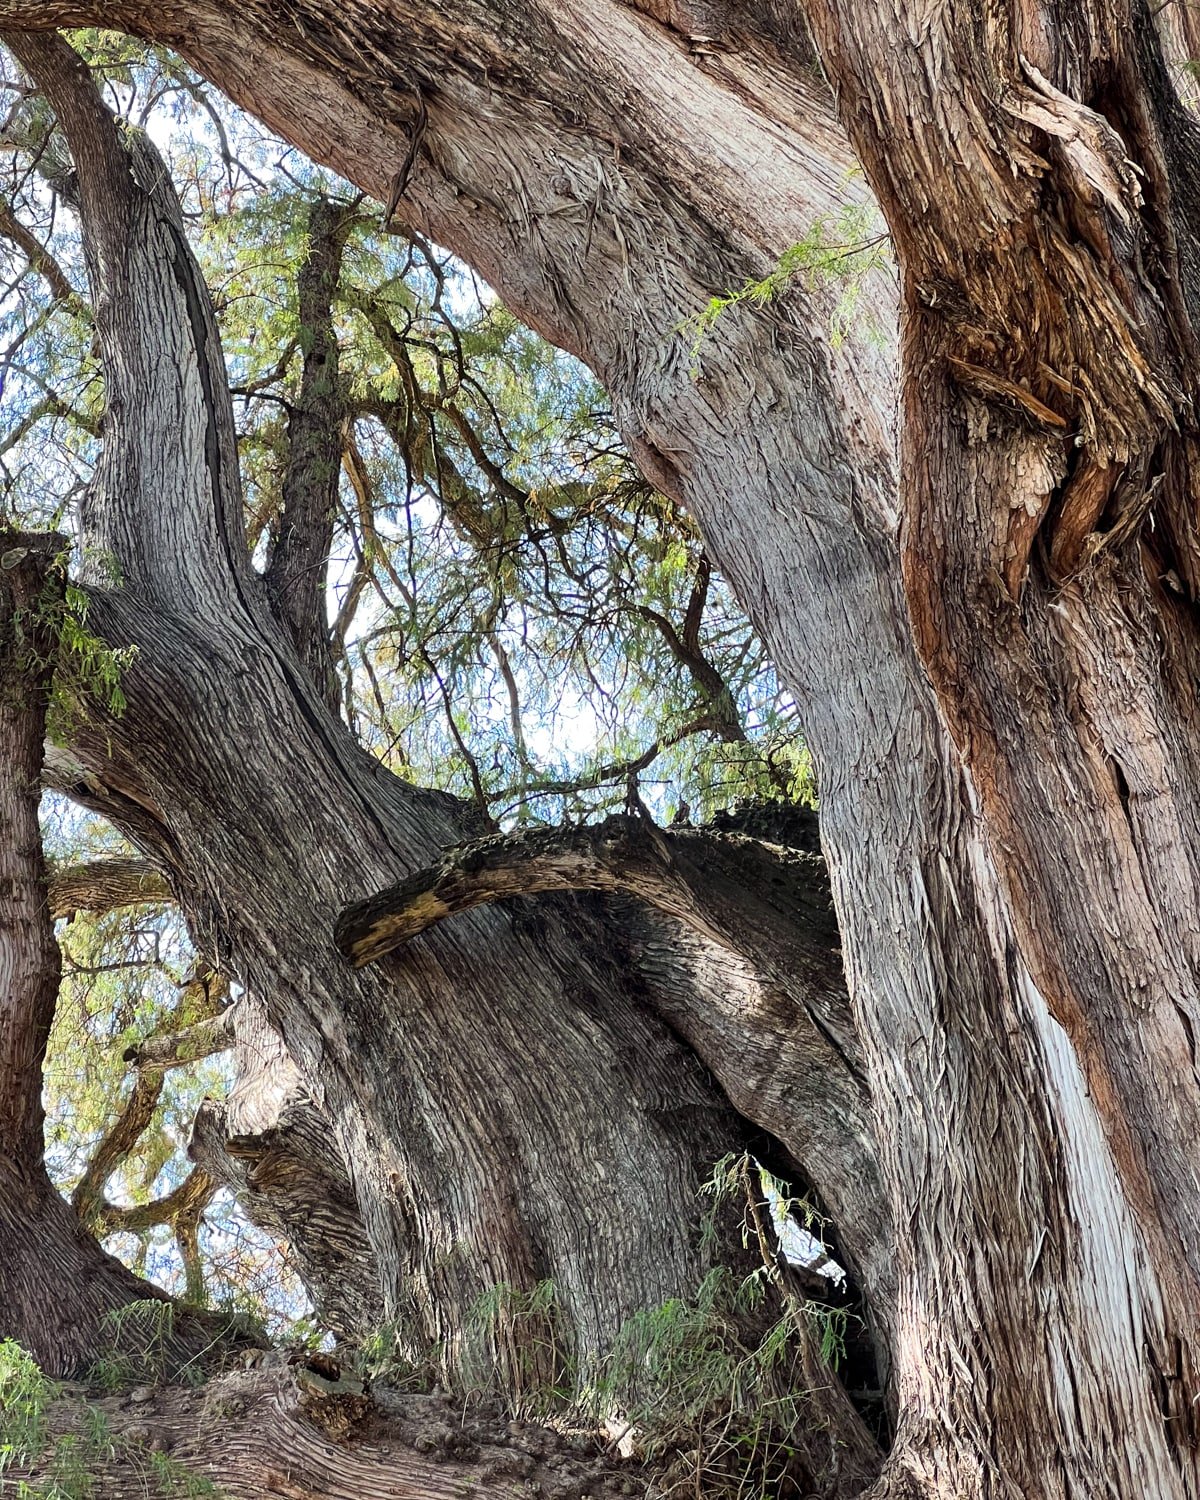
pixel 100 885
pixel 272 1146
pixel 996 667
pixel 505 1106
pixel 735 940
pixel 56 1283
pixel 306 1429
pixel 1049 547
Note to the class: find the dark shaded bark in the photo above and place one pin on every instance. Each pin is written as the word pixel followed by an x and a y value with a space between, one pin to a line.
pixel 296 573
pixel 746 967
pixel 31 595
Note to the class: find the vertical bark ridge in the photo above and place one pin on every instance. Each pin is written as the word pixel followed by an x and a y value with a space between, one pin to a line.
pixel 30 592
pixel 1048 385
pixel 56 1284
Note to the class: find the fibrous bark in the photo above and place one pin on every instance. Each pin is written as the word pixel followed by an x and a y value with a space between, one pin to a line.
pixel 1050 560
pixel 1019 934
pixel 101 885
pixel 272 1146
pixel 307 1429
pixel 746 967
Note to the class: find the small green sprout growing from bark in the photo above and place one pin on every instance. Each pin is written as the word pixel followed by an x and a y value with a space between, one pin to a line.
pixel 844 247
pixel 55 632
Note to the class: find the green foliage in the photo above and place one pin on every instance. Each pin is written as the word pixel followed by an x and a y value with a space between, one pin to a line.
pixel 25 1395
pixel 175 1479
pixel 521 619
pixel 139 1338
pixel 517 1348
pixel 90 667
pixel 712 1409
pixel 86 669
pixel 711 1389
pixel 385 1354
pixel 143 1350
pixel 841 249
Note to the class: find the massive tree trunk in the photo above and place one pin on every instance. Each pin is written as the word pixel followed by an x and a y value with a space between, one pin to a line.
pixel 506 1106
pixel 1050 551
pixel 456 1137
pixel 997 672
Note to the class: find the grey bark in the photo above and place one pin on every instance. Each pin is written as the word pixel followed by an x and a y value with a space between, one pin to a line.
pixel 735 941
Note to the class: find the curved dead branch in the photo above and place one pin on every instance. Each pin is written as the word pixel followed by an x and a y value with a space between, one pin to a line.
pixel 678 871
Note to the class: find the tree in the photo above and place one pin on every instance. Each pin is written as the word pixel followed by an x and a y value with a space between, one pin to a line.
pixel 994 656
pixel 515 1102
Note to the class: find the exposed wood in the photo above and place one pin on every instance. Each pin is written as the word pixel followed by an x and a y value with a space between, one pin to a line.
pixel 666 867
